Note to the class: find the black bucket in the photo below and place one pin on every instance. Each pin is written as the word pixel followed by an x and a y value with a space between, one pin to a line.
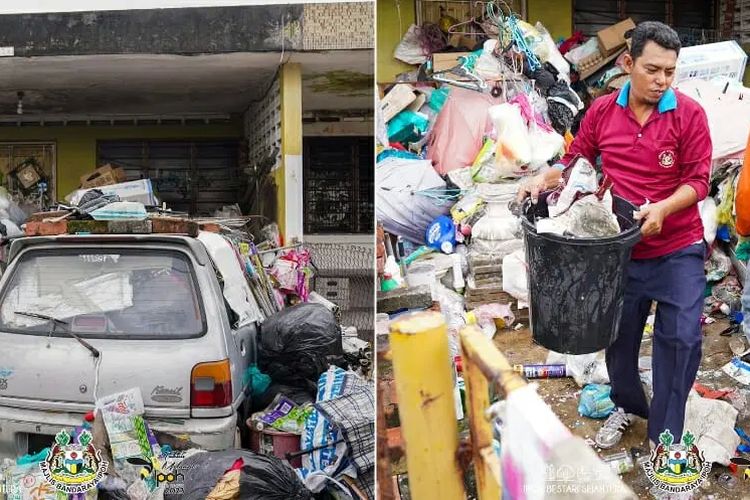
pixel 577 285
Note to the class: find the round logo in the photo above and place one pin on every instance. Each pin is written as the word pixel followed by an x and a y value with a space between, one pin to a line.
pixel 666 158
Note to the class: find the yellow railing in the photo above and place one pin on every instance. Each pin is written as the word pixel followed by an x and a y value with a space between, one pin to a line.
pixel 424 386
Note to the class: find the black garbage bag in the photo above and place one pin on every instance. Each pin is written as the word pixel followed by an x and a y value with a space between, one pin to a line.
pixel 298 344
pixel 263 477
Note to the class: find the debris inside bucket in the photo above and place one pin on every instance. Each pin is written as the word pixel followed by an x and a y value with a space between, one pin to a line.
pixel 581 207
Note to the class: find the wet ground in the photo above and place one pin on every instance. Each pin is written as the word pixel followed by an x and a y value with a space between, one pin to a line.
pixel 563 396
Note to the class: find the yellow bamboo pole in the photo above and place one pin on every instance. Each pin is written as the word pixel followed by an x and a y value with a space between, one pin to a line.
pixel 482 361
pixel 424 386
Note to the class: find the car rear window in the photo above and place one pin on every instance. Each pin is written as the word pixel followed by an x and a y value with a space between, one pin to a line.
pixel 104 293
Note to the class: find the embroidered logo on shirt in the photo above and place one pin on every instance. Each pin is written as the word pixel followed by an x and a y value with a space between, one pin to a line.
pixel 666 158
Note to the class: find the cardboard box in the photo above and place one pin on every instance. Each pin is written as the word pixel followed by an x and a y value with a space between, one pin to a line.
pixel 442 61
pixel 721 59
pixel 103 176
pixel 395 101
pixel 613 38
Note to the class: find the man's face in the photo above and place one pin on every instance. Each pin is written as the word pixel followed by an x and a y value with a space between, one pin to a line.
pixel 651 73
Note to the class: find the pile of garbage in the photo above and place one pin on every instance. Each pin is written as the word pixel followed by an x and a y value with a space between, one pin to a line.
pixel 311 431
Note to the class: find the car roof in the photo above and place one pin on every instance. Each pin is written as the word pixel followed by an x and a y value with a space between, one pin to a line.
pixel 193 244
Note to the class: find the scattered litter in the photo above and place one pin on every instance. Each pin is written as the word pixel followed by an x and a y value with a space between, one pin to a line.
pixel 620 462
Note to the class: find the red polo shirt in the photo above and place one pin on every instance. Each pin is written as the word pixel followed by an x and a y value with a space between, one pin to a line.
pixel 650 162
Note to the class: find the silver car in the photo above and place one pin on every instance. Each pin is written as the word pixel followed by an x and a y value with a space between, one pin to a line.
pixel 82 317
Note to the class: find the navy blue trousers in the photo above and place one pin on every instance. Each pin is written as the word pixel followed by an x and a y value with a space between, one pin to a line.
pixel 677 283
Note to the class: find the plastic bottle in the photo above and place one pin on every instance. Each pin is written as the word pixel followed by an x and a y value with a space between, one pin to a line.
pixel 441 234
pixel 388 283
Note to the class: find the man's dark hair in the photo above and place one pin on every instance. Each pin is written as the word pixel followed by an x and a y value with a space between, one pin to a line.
pixel 654 31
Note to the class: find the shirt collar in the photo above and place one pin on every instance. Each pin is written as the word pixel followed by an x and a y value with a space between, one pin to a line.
pixel 668 101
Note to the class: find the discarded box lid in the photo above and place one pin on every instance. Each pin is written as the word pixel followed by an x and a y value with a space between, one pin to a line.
pixel 612 38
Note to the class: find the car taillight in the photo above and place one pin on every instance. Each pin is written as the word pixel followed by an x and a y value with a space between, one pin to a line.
pixel 211 385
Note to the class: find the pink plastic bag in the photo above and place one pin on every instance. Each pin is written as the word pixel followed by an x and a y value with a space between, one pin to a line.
pixel 459 129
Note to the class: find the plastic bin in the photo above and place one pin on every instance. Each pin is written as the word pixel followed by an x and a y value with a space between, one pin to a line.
pixel 577 285
pixel 272 442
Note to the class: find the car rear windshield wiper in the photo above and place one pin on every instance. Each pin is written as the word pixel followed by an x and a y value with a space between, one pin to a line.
pixel 94 350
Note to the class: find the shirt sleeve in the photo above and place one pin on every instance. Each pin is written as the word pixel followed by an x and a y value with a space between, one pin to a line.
pixel 695 150
pixel 585 142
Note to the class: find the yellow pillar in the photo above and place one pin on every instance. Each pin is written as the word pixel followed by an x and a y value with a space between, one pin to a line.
pixel 289 175
pixel 426 408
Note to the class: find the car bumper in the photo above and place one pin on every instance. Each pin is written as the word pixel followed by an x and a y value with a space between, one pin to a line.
pixel 17 425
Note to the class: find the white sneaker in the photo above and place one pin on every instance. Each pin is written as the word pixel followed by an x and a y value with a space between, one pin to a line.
pixel 612 430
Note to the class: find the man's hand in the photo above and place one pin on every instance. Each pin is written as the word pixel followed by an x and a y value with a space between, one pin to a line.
pixel 653 218
pixel 548 179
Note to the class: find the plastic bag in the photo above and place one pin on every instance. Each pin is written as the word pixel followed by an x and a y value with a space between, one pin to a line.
pixel 452 309
pixel 487 314
pixel 515 281
pixel 581 178
pixel 584 368
pixel 462 178
pixel 595 401
pixel 262 478
pixel 483 168
pixel 460 129
pixel 574 56
pixel 513 151
pixel 488 67
pixel 709 211
pixel 296 345
pixel 718 265
pixel 467 206
pixel 547 145
pixel 591 217
pixel 553 55
pixel 409 49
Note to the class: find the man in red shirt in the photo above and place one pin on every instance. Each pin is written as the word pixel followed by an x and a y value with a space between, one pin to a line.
pixel 654 144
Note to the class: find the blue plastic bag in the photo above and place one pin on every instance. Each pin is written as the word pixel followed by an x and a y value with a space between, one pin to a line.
pixel 595 401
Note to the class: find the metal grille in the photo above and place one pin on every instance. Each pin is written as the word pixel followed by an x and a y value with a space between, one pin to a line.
pixel 430 11
pixel 339 184
pixel 263 125
pixel 197 177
